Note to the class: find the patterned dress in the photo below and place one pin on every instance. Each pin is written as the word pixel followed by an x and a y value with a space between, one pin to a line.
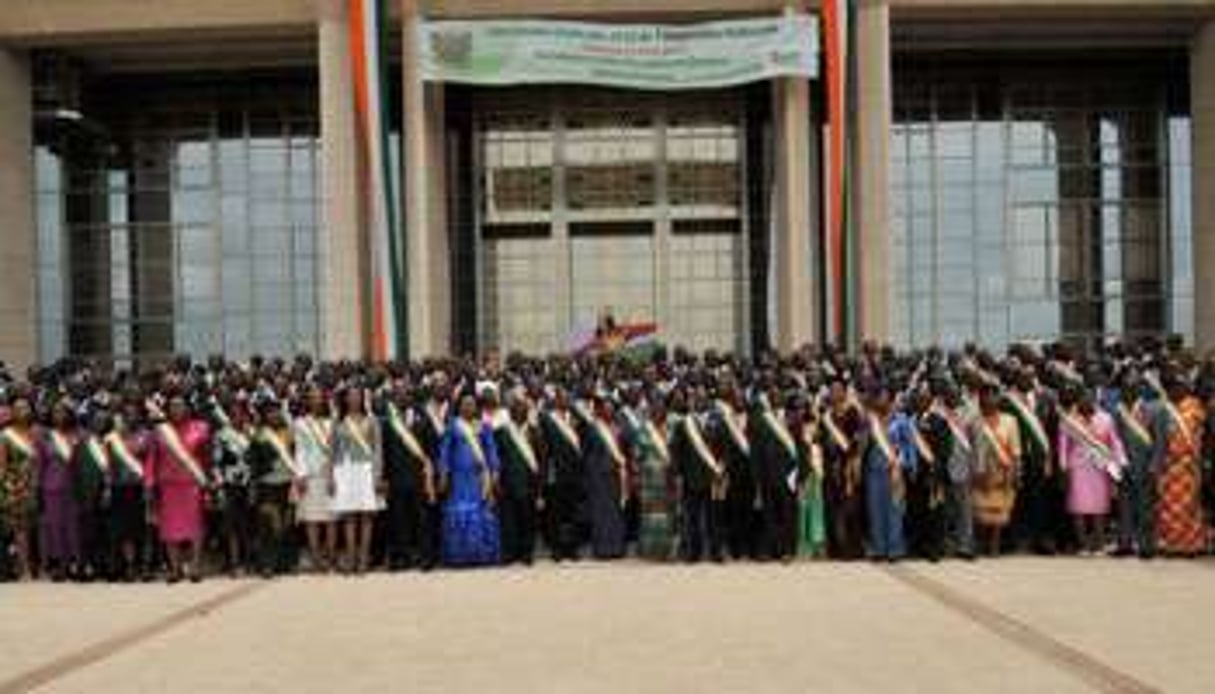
pixel 656 539
pixel 1179 524
pixel 17 503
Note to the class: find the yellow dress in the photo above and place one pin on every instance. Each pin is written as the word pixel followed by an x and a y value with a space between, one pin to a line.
pixel 998 449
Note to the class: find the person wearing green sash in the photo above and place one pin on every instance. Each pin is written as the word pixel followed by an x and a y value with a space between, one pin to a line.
pixel 812 524
pixel 656 536
pixel 271 456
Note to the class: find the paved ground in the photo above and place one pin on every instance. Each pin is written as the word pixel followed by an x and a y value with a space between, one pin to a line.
pixel 1020 625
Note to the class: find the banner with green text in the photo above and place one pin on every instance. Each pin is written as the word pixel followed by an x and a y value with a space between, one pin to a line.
pixel 637 56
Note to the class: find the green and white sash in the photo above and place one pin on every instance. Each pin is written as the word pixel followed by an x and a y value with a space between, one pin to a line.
pixel 737 435
pixel 697 439
pixel 1027 415
pixel 354 431
pixel 781 433
pixel 318 431
pixel 835 432
pixel 566 430
pixel 121 451
pixel 1080 432
pixel 465 431
pixel 436 416
pixel 397 423
pixel 97 454
pixel 921 445
pixel 1134 425
pixel 882 440
pixel 518 439
pixel 19 442
pixel 659 440
pixel 816 451
pixel 608 438
pixel 179 453
pixel 61 447
pixel 1181 424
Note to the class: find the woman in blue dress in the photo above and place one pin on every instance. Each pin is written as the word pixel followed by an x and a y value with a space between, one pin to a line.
pixel 468 466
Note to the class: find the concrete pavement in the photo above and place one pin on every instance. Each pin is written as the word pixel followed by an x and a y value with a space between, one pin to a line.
pixel 1017 624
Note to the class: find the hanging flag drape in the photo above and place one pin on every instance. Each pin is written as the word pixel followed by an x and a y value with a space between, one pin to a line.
pixel 378 182
pixel 840 249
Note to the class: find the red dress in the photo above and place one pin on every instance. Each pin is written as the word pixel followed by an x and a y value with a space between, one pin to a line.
pixel 179 498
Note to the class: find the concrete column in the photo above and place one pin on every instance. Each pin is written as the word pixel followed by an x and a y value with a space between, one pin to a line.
pixel 427 261
pixel 875 106
pixel 18 259
pixel 342 258
pixel 1202 154
pixel 795 298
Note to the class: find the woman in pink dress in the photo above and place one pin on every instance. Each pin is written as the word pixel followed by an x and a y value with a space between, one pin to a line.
pixel 176 474
pixel 1091 453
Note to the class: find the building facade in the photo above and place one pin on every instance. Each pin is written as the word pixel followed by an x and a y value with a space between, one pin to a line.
pixel 181 177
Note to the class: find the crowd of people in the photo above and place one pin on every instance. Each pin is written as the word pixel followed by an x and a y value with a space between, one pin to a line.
pixel 274 466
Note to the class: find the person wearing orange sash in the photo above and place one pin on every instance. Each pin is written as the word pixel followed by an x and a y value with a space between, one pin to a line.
pixel 997 443
pixel 176 473
pixel 60 512
pixel 1180 530
pixel 606 480
pixel 18 502
pixel 1091 454
pixel 889 458
pixel 272 462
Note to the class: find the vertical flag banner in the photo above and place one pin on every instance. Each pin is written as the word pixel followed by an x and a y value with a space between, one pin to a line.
pixel 840 252
pixel 378 181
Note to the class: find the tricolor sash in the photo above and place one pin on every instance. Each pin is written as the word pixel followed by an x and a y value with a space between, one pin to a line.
pixel 881 439
pixel 1083 435
pixel 659 440
pixel 1002 453
pixel 120 450
pixel 518 439
pixel 405 436
pixel 282 450
pixel 609 440
pixel 436 417
pixel 960 436
pixel 737 435
pixel 835 432
pixel 465 431
pixel 232 439
pixel 61 447
pixel 1026 414
pixel 318 431
pixel 566 430
pixel 921 445
pixel 702 449
pixel 97 455
pixel 1134 425
pixel 19 442
pixel 1181 424
pixel 357 436
pixel 180 454
pixel 781 433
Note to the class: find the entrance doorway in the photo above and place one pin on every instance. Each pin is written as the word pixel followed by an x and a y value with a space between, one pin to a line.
pixel 590 201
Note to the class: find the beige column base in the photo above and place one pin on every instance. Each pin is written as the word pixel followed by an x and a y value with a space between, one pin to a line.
pixel 18 240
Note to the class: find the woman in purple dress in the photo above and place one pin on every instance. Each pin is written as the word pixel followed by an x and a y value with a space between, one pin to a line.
pixel 468 468
pixel 60 521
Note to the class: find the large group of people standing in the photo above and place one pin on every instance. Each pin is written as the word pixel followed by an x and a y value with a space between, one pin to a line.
pixel 275 466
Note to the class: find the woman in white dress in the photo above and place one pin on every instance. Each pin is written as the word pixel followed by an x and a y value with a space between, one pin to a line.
pixel 313 436
pixel 356 471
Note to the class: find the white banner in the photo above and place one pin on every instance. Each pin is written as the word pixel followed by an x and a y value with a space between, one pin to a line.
pixel 637 56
